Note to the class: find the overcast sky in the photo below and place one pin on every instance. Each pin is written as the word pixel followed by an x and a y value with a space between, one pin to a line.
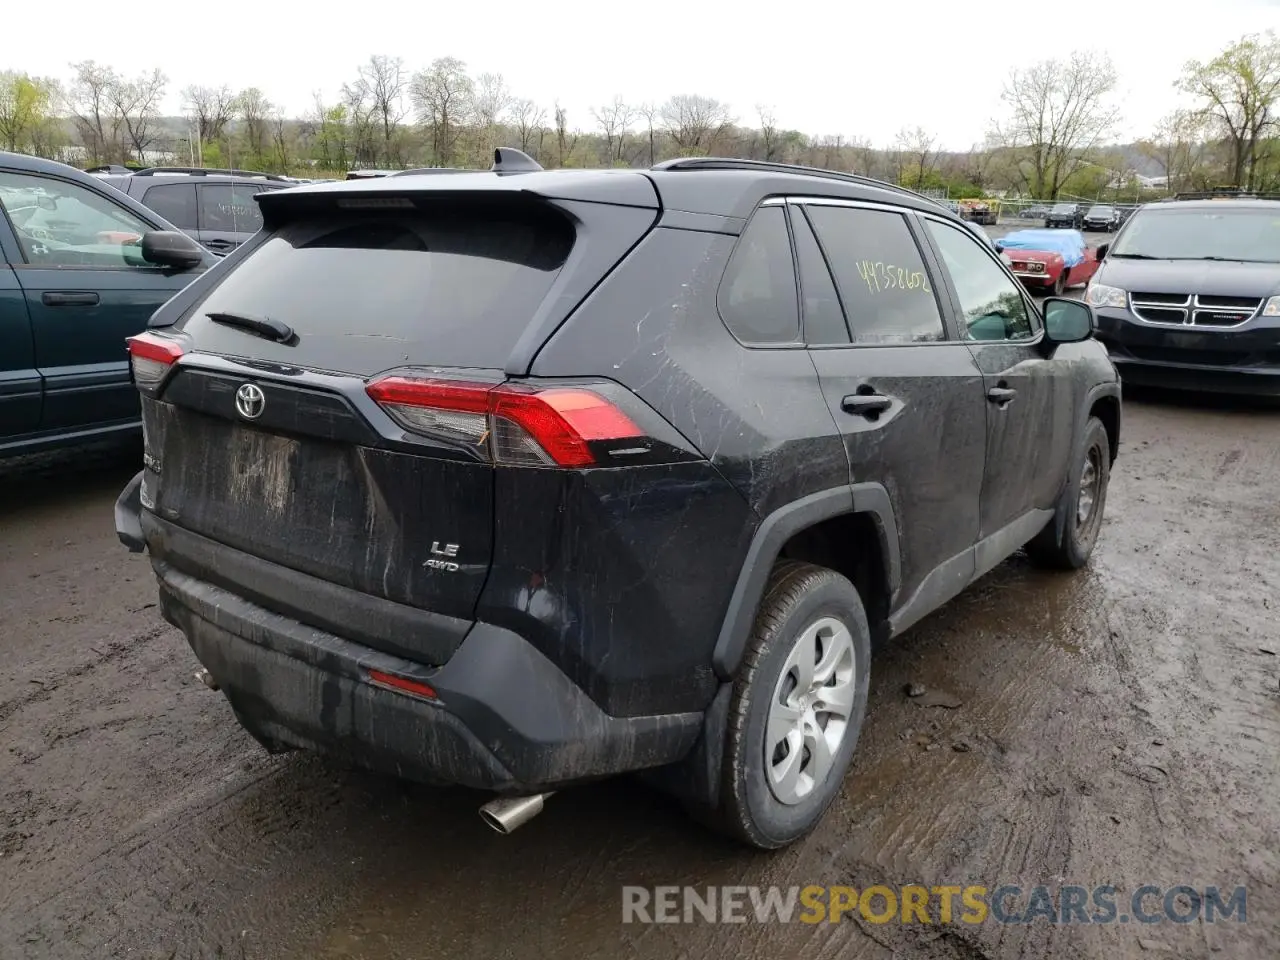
pixel 856 68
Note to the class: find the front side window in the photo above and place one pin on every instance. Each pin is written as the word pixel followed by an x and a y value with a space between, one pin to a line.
pixel 230 207
pixel 886 291
pixel 991 303
pixel 61 224
pixel 757 297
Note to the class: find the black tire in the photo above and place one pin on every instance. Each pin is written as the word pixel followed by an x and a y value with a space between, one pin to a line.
pixel 1073 549
pixel 798 594
pixel 1060 285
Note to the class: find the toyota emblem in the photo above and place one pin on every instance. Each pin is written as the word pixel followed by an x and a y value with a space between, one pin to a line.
pixel 250 401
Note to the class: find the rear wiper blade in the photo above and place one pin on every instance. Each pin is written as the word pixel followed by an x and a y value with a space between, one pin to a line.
pixel 276 330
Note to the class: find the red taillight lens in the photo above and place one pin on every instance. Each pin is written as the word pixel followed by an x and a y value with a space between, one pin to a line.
pixel 415 688
pixel 522 425
pixel 151 357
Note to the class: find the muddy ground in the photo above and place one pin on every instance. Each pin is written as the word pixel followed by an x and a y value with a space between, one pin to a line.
pixel 1120 725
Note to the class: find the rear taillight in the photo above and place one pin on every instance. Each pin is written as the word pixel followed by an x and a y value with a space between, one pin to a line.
pixel 151 357
pixel 514 424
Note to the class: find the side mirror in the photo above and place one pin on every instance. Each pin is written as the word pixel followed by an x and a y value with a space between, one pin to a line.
pixel 171 248
pixel 1067 321
pixel 1102 250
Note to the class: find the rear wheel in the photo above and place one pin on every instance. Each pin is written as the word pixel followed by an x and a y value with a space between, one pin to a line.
pixel 1080 508
pixel 797 707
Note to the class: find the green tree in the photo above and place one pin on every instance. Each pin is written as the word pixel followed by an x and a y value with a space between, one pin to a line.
pixel 27 106
pixel 1237 92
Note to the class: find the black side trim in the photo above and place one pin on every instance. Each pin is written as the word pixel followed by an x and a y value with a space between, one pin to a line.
pixel 394 628
pixel 775 530
pixel 129 515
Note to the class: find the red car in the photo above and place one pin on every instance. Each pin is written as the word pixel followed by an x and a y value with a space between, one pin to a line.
pixel 1049 261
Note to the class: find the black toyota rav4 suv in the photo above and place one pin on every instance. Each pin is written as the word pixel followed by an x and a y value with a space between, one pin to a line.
pixel 518 479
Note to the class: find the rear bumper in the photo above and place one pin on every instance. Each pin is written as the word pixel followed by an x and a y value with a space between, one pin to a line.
pixel 504 717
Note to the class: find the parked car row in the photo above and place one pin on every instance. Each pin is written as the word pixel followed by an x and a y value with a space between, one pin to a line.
pixel 216 207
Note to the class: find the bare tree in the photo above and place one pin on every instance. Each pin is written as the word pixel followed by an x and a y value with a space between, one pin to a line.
pixel 529 120
pixel 565 142
pixel 1059 111
pixel 650 113
pixel 137 104
pixel 768 132
pixel 442 95
pixel 490 103
pixel 361 123
pixel 1238 90
pixel 210 109
pixel 254 110
pixel 696 123
pixel 381 86
pixel 863 156
pixel 918 157
pixel 614 121
pixel 93 111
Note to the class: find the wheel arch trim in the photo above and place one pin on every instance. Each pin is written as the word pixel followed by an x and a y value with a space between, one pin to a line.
pixel 774 531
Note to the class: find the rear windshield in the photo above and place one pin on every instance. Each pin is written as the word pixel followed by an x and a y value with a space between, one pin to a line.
pixel 1064 208
pixel 455 287
pixel 1199 234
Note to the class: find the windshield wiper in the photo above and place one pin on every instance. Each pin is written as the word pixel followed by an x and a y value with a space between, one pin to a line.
pixel 1229 259
pixel 1135 256
pixel 276 330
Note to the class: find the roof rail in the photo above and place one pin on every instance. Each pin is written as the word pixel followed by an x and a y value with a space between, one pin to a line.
pixel 730 163
pixel 114 168
pixel 208 171
pixel 416 171
pixel 1224 193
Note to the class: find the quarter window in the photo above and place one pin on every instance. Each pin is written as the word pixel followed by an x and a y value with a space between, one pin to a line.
pixel 757 297
pixel 992 306
pixel 61 224
pixel 886 290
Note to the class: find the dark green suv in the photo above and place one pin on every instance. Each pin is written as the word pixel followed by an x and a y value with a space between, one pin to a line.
pixel 82 268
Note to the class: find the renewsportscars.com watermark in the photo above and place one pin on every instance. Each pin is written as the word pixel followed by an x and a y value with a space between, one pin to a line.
pixel 914 903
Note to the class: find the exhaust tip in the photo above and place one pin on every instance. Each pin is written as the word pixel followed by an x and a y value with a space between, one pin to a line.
pixel 507 814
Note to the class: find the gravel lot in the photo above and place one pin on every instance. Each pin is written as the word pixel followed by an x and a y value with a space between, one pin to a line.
pixel 1120 725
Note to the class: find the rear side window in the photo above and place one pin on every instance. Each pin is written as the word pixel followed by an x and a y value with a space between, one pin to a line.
pixel 758 294
pixel 176 202
pixel 230 207
pixel 887 293
pixel 456 287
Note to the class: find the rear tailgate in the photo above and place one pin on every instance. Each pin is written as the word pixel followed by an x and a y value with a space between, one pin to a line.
pixel 305 470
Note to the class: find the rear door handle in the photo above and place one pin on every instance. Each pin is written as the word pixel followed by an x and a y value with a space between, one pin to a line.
pixel 1001 395
pixel 865 404
pixel 69 298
